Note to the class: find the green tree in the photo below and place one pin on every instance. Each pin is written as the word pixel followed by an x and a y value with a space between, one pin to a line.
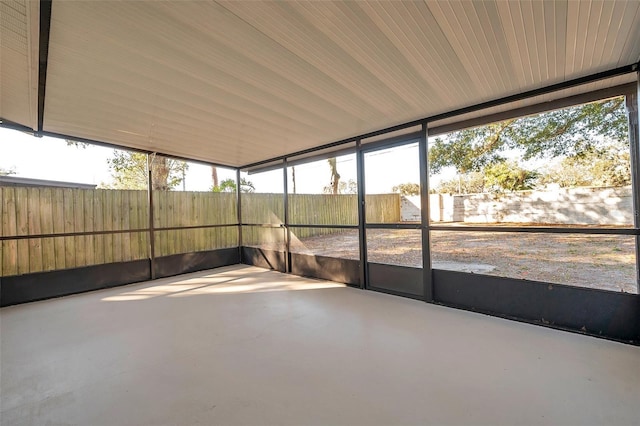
pixel 229 185
pixel 509 176
pixel 130 171
pixel 470 183
pixel 607 167
pixel 569 132
pixel 407 188
pixel 350 187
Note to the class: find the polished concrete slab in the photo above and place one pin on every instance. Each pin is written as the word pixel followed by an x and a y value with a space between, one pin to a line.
pixel 243 345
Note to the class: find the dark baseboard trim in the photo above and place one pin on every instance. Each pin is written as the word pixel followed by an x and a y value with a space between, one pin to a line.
pixel 46 285
pixel 395 279
pixel 269 259
pixel 26 288
pixel 598 313
pixel 345 271
pixel 167 266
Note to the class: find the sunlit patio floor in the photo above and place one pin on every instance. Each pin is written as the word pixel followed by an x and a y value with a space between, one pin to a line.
pixel 243 345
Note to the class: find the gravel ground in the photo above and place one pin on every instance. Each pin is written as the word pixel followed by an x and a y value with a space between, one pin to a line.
pixel 596 261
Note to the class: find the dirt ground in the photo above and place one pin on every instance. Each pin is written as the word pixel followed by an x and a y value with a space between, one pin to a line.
pixel 596 261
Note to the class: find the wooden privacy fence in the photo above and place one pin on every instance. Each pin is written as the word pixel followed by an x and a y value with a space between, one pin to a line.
pixel 28 211
pixel 177 209
pixel 311 209
pixel 37 211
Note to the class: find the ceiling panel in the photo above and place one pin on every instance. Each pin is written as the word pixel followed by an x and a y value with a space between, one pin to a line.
pixel 241 82
pixel 19 28
pixel 540 103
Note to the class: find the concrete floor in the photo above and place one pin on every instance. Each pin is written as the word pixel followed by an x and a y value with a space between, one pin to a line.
pixel 242 345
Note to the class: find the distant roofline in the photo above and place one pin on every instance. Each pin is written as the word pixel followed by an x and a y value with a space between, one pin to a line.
pixel 20 181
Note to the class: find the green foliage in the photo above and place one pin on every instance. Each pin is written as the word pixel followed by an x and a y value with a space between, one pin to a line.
pixel 470 183
pixel 76 144
pixel 407 188
pixel 350 187
pixel 508 176
pixel 130 171
pixel 229 185
pixel 469 150
pixel 571 132
pixel 607 167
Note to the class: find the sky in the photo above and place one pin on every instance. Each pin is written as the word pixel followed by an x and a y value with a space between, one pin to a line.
pixel 52 159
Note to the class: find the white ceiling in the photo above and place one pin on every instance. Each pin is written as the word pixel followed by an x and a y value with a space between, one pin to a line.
pixel 240 82
pixel 19 29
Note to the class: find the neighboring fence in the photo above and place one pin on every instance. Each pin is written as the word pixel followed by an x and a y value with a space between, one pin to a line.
pixel 311 209
pixel 177 208
pixel 588 206
pixel 43 210
pixel 33 211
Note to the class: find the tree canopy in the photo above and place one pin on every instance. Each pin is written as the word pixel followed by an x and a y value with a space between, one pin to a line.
pixel 229 185
pixel 130 171
pixel 407 188
pixel 606 167
pixel 509 176
pixel 570 132
pixel 470 183
pixel 350 187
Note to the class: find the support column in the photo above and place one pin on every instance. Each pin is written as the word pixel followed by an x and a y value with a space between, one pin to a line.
pixel 634 142
pixel 239 211
pixel 427 273
pixel 152 234
pixel 287 231
pixel 362 213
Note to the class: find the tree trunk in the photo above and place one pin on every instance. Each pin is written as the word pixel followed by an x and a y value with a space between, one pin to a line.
pixel 160 173
pixel 293 177
pixel 335 177
pixel 214 176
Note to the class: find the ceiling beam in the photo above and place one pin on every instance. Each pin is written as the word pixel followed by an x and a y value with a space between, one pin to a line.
pixel 43 58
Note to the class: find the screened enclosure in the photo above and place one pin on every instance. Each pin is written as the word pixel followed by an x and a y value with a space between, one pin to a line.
pixel 468 170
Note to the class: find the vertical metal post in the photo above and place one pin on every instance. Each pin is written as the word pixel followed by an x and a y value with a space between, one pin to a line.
pixel 427 273
pixel 287 231
pixel 634 145
pixel 152 234
pixel 239 211
pixel 362 215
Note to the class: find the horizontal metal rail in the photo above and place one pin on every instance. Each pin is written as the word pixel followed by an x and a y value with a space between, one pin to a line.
pixel 415 226
pixel 393 226
pixel 538 229
pixel 177 228
pixel 110 232
pixel 298 225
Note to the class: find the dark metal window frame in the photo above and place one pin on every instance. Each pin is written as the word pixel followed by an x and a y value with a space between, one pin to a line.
pixel 631 91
